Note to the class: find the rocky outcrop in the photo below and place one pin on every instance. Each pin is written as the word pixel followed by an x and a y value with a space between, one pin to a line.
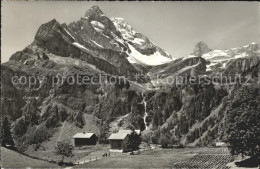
pixel 241 65
pixel 201 48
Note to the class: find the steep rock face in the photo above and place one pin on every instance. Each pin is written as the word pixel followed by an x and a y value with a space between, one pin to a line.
pixel 241 65
pixel 102 21
pixel 143 51
pixel 179 112
pixel 140 42
pixel 80 40
pixel 98 34
pixel 53 37
pixel 33 54
pixel 170 74
pixel 102 46
pixel 182 64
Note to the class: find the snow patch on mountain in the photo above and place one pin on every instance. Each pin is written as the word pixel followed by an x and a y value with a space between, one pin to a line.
pixel 131 60
pixel 97 44
pixel 232 53
pixel 220 58
pixel 104 35
pixel 189 56
pixel 215 54
pixel 80 46
pixel 69 33
pixel 138 41
pixel 98 26
pixel 242 55
pixel 151 60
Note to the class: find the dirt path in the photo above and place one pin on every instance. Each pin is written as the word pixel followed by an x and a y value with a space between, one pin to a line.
pixel 96 155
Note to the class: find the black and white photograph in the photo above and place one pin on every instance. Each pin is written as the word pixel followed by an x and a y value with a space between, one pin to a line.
pixel 130 84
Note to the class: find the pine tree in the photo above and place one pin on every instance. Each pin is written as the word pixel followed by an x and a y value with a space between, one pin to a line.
pixel 6 135
pixel 30 112
pixel 104 132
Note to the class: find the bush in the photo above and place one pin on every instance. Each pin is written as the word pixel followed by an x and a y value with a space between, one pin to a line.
pixel 181 145
pixel 133 142
pixel 40 135
pixel 20 127
pixel 65 149
pixel 146 137
pixel 164 141
pixel 36 147
pixel 79 120
pixel 155 137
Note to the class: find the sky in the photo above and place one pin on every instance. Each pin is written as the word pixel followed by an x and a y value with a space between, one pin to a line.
pixel 174 26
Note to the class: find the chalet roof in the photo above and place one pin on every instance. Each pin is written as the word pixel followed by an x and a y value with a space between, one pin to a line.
pixel 129 131
pixel 117 136
pixel 83 135
pixel 121 134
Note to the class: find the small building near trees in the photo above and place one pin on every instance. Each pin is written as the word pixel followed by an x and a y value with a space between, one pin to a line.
pixel 83 139
pixel 117 140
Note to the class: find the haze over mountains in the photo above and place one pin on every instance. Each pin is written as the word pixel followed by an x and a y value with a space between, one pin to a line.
pixel 96 44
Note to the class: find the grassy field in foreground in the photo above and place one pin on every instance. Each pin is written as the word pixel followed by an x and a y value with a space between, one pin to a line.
pixel 12 159
pixel 157 158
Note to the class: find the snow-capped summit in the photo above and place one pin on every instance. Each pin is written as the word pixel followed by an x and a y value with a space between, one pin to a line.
pixel 125 29
pixel 143 51
pixel 221 58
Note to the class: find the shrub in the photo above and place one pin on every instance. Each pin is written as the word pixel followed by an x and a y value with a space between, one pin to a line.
pixel 181 145
pixel 65 149
pixel 133 142
pixel 164 141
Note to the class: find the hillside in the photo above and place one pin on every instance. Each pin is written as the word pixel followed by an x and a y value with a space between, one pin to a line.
pixel 12 159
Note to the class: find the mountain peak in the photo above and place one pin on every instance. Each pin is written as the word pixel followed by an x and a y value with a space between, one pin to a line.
pixel 94 11
pixel 201 44
pixel 52 22
pixel 201 48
